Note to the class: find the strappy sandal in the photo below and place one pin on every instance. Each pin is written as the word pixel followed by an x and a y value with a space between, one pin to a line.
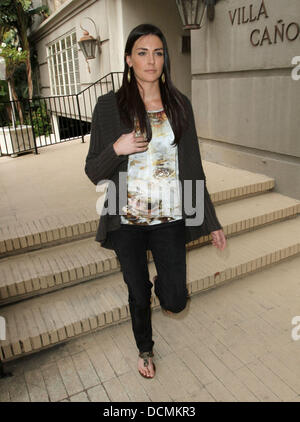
pixel 145 356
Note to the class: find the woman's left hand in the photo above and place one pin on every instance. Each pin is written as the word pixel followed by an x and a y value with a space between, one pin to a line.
pixel 218 239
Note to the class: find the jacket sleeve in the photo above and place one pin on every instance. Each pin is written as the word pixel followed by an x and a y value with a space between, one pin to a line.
pixel 211 222
pixel 102 160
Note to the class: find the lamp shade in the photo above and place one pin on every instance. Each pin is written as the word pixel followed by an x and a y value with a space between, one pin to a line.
pixel 191 12
pixel 87 44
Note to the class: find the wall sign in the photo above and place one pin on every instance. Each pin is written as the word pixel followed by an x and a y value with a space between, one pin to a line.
pixel 269 34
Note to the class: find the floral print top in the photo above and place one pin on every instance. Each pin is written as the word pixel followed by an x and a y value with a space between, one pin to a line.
pixel 153 194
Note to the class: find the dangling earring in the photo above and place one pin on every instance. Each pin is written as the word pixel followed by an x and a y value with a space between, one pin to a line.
pixel 128 76
pixel 163 79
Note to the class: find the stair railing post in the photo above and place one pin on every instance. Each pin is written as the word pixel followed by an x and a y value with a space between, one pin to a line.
pixel 79 114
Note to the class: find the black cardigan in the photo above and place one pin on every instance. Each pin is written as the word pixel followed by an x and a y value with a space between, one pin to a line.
pixel 102 163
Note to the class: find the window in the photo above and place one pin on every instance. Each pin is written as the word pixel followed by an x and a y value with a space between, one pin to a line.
pixel 62 56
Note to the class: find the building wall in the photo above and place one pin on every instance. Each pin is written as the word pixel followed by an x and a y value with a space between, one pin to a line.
pixel 69 17
pixel 246 101
pixel 55 4
pixel 114 20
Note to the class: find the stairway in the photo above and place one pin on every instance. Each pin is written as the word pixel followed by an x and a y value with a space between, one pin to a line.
pixel 57 283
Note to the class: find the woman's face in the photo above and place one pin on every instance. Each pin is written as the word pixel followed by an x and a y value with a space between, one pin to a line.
pixel 147 58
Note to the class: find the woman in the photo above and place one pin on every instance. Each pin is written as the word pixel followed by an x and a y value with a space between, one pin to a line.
pixel 146 131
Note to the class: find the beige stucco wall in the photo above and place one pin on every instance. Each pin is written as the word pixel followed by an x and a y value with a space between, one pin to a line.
pixel 67 18
pixel 246 103
pixel 114 16
pixel 163 14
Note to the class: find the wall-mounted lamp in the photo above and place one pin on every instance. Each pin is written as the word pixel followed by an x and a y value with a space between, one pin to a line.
pixel 192 12
pixel 88 44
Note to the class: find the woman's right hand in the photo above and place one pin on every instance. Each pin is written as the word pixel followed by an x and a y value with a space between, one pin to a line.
pixel 128 143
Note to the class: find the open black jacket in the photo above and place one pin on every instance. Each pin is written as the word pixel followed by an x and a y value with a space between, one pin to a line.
pixel 102 163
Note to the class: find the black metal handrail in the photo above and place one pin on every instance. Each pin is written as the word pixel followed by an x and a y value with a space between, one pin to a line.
pixel 29 124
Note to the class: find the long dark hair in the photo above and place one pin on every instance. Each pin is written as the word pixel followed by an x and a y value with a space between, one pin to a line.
pixel 128 96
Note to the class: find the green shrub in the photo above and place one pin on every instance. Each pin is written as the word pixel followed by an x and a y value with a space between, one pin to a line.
pixel 40 119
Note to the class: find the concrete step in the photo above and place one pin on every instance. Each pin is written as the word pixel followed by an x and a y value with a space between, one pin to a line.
pixel 224 184
pixel 47 320
pixel 38 272
pixel 47 231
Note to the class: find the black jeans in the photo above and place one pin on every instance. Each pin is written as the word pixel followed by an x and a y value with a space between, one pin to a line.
pixel 166 241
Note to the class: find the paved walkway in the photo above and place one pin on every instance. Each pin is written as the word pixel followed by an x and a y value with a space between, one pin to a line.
pixel 52 182
pixel 233 343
